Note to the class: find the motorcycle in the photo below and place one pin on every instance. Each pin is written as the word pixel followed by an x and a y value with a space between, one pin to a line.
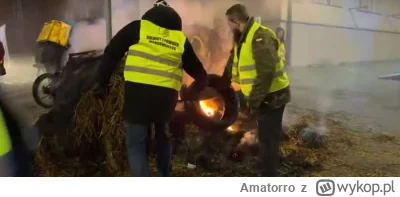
pixel 45 86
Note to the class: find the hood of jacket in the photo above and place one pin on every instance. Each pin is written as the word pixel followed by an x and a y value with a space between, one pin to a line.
pixel 164 16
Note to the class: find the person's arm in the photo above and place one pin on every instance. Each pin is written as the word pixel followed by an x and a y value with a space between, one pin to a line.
pixel 264 48
pixel 193 66
pixel 116 50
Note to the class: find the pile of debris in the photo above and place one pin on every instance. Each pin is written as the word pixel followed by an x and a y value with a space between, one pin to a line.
pixel 234 152
pixel 89 139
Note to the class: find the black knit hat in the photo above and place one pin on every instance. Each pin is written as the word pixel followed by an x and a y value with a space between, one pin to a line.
pixel 161 3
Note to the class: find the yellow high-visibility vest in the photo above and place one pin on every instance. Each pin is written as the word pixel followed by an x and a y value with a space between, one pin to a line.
pixel 244 69
pixel 5 141
pixel 282 52
pixel 157 58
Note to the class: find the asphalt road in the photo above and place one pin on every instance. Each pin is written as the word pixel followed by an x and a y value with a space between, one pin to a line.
pixel 16 92
pixel 353 91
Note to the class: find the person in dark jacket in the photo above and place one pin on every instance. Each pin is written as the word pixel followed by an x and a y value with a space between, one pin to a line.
pixel 154 44
pixel 2 54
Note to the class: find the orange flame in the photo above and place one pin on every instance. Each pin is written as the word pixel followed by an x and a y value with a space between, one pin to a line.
pixel 232 129
pixel 209 111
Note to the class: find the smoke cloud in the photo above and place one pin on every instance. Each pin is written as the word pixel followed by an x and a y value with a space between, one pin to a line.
pixel 249 139
pixel 91 35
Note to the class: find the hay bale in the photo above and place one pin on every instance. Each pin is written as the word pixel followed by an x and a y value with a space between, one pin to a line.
pixel 100 119
pixel 93 142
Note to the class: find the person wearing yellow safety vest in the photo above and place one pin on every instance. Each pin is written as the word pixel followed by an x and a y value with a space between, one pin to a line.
pixel 16 159
pixel 5 148
pixel 255 64
pixel 157 54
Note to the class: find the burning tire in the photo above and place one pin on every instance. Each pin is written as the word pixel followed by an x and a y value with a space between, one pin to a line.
pixel 220 117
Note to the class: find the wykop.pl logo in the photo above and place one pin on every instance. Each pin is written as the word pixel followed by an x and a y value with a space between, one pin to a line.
pixel 325 187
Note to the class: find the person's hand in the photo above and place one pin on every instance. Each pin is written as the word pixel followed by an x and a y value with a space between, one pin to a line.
pixel 224 84
pixel 189 93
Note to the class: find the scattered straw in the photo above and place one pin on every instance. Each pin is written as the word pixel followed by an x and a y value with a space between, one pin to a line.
pixel 94 146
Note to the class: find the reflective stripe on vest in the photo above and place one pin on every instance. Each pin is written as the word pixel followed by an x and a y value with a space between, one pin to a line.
pixel 5 141
pixel 157 58
pixel 245 68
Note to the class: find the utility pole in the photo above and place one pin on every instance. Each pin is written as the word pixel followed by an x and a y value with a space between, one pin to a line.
pixel 107 13
pixel 289 33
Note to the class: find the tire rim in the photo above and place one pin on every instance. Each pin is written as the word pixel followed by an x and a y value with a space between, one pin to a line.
pixel 44 92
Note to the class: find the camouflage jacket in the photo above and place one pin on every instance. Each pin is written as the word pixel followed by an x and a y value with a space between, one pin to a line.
pixel 265 46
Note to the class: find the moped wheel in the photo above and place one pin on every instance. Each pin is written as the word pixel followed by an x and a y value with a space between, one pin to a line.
pixel 41 90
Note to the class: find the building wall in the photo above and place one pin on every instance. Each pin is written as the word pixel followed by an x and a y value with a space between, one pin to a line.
pixel 339 33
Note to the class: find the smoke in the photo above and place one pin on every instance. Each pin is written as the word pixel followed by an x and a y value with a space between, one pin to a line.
pixel 201 12
pixel 249 139
pixel 199 18
pixel 91 35
pixel 88 36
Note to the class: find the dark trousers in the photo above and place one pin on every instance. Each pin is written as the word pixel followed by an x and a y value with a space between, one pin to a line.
pixel 137 145
pixel 269 121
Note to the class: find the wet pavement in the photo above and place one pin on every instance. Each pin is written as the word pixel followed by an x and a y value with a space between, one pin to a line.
pixel 16 92
pixel 353 91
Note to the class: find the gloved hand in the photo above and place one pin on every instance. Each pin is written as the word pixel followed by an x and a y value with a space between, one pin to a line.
pixel 224 84
pixel 193 91
pixel 189 93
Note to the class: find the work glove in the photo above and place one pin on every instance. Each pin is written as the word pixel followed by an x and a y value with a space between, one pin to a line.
pixel 224 84
pixel 193 91
pixel 189 93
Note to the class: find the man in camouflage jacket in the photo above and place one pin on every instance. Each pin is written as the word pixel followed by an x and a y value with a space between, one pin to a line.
pixel 267 106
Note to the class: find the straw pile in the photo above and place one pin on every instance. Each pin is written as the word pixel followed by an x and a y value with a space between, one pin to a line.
pixel 85 137
pixel 297 158
pixel 223 154
pixel 94 144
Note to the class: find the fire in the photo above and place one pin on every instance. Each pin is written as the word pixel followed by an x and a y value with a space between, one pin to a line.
pixel 233 129
pixel 213 108
pixel 209 111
